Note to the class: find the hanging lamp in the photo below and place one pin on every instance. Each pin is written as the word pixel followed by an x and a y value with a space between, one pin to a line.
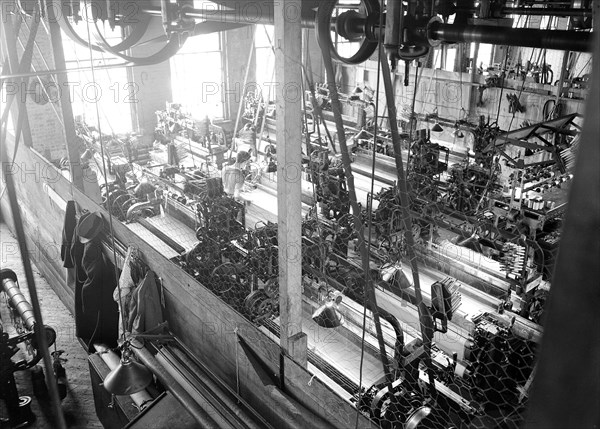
pixel 129 376
pixel 437 128
pixel 328 315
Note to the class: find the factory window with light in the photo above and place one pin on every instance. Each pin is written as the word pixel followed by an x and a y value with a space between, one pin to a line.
pixel 345 47
pixel 265 61
pixel 106 86
pixel 197 76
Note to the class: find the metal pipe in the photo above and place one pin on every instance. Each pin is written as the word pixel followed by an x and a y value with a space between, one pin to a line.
pixel 543 11
pixel 111 359
pixel 530 11
pixel 201 415
pixel 17 300
pixel 550 39
pixel 59 71
pixel 230 404
pixel 247 16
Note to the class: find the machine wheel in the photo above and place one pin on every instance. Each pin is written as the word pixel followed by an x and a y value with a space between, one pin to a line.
pixel 259 306
pixel 323 24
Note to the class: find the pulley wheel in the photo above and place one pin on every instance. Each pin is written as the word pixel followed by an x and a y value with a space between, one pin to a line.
pixel 324 24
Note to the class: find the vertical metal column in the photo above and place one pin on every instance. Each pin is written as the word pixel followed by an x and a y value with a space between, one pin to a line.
pixel 288 54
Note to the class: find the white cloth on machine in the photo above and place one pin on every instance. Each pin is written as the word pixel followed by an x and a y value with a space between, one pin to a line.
pixel 126 285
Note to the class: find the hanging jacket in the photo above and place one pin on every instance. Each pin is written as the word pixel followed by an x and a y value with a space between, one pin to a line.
pixel 145 308
pixel 67 235
pixel 96 314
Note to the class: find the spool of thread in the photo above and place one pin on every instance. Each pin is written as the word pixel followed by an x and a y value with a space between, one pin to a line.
pixel 518 193
pixel 539 203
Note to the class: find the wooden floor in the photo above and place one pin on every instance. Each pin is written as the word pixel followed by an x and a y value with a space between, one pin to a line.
pixel 78 406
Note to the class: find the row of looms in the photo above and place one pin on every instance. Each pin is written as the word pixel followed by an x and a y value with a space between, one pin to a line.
pixel 382 263
pixel 479 214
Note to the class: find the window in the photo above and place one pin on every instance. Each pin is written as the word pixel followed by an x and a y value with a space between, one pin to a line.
pixel 265 61
pixel 444 58
pixel 450 59
pixel 109 86
pixel 484 57
pixel 346 48
pixel 197 76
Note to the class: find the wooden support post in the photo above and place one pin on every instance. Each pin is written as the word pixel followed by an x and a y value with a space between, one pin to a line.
pixel 65 104
pixel 288 53
pixel 566 388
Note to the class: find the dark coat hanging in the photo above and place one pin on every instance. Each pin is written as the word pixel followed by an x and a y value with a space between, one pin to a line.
pixel 96 313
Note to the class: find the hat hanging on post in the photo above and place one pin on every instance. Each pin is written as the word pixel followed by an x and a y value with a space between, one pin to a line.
pixel 89 226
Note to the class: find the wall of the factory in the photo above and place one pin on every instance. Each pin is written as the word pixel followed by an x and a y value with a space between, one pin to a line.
pixel 150 86
pixel 580 62
pixel 43 108
pixel 435 89
pixel 441 90
pixel 42 215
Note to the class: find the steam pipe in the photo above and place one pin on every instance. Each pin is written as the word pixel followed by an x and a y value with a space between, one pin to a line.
pixel 533 38
pixel 537 11
pixel 227 402
pixel 200 414
pixel 580 41
pixel 248 16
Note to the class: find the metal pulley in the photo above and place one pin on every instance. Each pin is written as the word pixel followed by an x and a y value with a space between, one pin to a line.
pixel 353 25
pixel 408 32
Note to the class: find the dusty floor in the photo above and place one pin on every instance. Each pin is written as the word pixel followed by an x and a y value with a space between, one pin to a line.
pixel 78 406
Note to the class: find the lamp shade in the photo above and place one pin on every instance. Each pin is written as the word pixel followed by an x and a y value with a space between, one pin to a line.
pixel 128 377
pixel 437 128
pixel 458 133
pixel 328 315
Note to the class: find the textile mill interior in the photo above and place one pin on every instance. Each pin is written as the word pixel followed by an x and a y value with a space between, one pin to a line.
pixel 300 214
